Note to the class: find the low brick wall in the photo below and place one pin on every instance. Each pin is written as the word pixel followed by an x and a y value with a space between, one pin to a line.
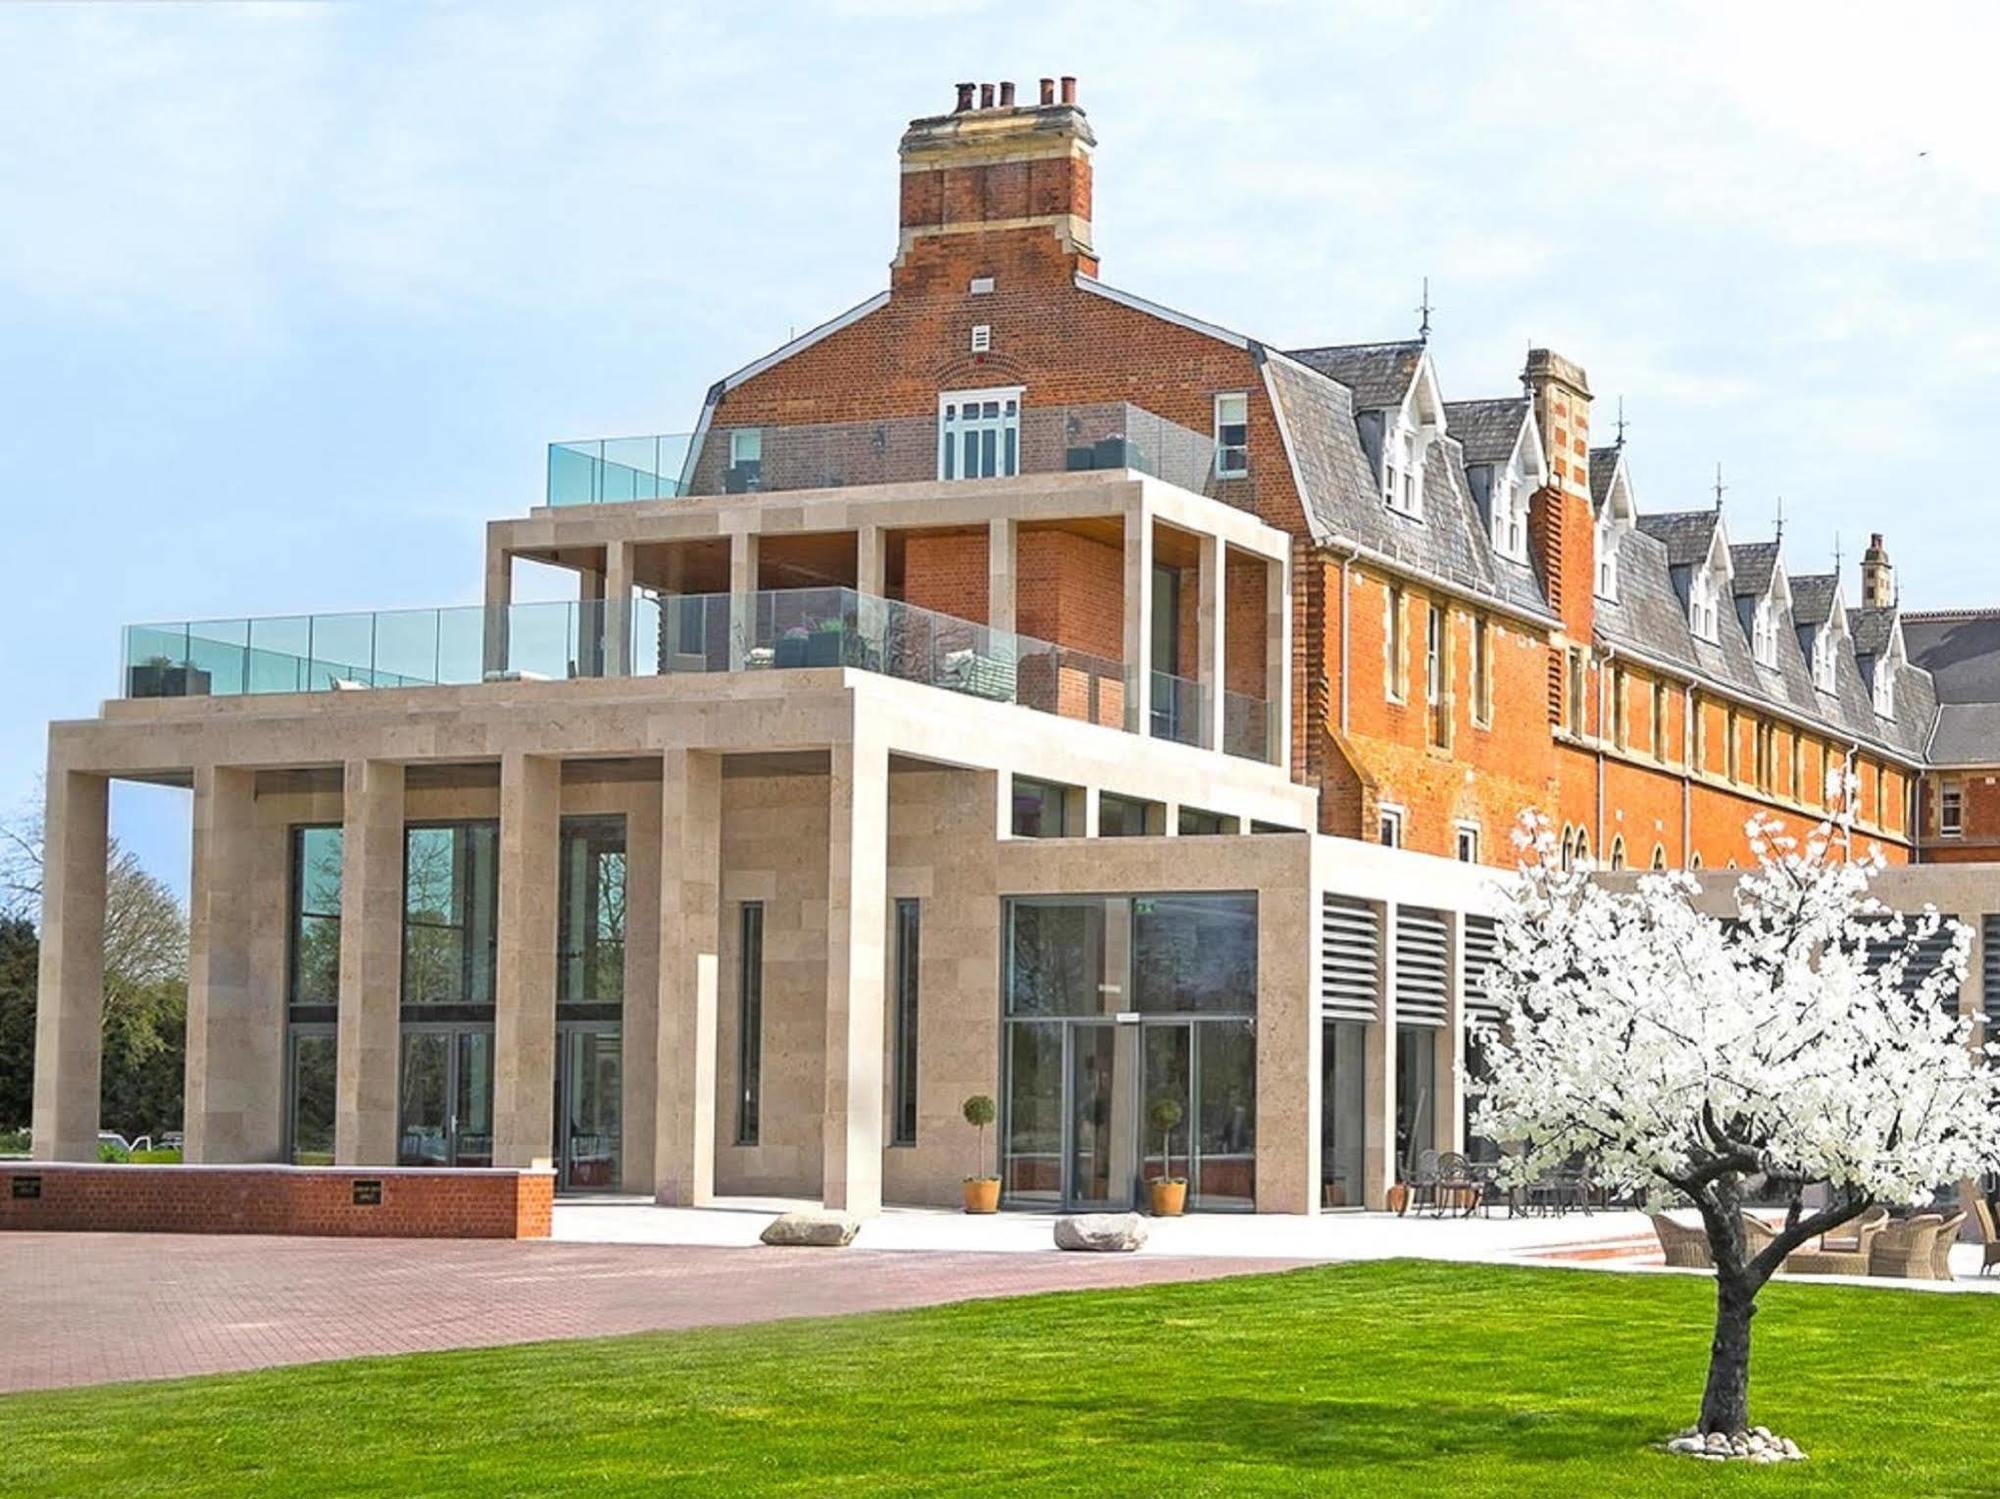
pixel 351 1202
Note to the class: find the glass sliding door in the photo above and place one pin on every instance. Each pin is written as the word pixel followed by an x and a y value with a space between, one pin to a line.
pixel 1167 1050
pixel 1224 1120
pixel 590 995
pixel 450 944
pixel 589 1122
pixel 472 1099
pixel 1416 1094
pixel 310 1077
pixel 445 1108
pixel 1032 1144
pixel 312 992
pixel 1100 1120
pixel 1343 1112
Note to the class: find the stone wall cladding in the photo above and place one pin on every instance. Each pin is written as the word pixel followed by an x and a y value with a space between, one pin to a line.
pixel 286 1200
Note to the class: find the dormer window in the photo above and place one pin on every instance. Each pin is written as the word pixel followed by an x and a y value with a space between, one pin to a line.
pixel 1702 605
pixel 1764 633
pixel 1883 688
pixel 1607 561
pixel 1400 470
pixel 1824 659
pixel 1510 518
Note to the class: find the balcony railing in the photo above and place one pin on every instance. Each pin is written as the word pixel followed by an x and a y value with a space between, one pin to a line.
pixel 900 450
pixel 671 634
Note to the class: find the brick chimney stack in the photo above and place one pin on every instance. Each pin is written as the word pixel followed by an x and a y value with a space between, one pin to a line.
pixel 994 167
pixel 1878 577
pixel 1561 526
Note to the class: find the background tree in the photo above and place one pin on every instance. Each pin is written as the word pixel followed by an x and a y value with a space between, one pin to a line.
pixel 145 986
pixel 1684 1054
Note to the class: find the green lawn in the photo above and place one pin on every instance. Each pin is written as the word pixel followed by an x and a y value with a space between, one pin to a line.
pixel 1401 1379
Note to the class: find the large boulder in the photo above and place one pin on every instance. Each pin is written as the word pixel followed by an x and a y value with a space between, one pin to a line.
pixel 817 1229
pixel 1111 1233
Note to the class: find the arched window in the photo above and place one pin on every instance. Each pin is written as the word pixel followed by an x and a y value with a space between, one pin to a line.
pixel 1618 852
pixel 1582 846
pixel 1695 862
pixel 1659 856
pixel 1568 847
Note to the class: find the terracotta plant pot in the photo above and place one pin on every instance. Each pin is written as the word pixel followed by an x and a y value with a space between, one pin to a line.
pixel 1169 1195
pixel 982 1194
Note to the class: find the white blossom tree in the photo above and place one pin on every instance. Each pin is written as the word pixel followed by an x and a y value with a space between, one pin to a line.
pixel 1685 1053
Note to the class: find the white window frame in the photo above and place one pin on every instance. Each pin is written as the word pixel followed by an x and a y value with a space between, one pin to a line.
pixel 1400 491
pixel 982 338
pixel 1232 459
pixel 1465 842
pixel 746 445
pixel 1389 821
pixel 1951 798
pixel 1606 543
pixel 1433 655
pixel 1002 423
pixel 1825 662
pixel 1883 688
pixel 1702 608
pixel 1764 632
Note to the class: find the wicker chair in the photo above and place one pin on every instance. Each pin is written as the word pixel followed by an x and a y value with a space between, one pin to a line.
pixel 1684 1248
pixel 1989 1241
pixel 1842 1253
pixel 1947 1235
pixel 1906 1249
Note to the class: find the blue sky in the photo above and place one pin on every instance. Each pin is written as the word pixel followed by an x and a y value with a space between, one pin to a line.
pixel 292 296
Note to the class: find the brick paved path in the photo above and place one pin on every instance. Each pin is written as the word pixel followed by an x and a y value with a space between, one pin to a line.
pixel 86 1308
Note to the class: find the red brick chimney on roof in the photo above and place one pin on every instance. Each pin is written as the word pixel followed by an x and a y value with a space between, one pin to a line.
pixel 999 168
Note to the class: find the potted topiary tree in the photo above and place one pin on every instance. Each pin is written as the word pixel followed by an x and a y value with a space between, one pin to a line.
pixel 1167 1191
pixel 982 1192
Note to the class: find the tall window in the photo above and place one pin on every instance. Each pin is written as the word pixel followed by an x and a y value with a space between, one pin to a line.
pixel 1606 539
pixel 1824 658
pixel 1482 670
pixel 1618 706
pixel 1401 479
pixel 1659 720
pixel 1701 604
pixel 1232 435
pixel 1433 655
pixel 1576 692
pixel 903 1100
pixel 590 936
pixel 1764 633
pixel 1394 648
pixel 450 913
pixel 315 934
pixel 1466 843
pixel 1510 518
pixel 979 434
pixel 1390 827
pixel 1883 686
pixel 746 460
pixel 749 1019
pixel 1951 810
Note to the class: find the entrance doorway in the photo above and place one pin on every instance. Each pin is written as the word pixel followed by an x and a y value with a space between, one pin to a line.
pixel 445 1117
pixel 589 1126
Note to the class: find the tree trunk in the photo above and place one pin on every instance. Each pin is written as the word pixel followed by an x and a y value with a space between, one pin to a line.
pixel 1725 1402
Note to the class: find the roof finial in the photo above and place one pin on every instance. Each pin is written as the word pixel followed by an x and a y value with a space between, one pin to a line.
pixel 1424 307
pixel 1781 519
pixel 1836 561
pixel 1621 423
pixel 1719 488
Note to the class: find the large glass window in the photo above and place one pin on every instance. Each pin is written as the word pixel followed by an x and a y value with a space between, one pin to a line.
pixel 450 913
pixel 903 1111
pixel 1416 1093
pixel 310 1080
pixel 591 927
pixel 314 978
pixel 1343 1112
pixel 1114 1004
pixel 1041 809
pixel 749 1020
pixel 979 434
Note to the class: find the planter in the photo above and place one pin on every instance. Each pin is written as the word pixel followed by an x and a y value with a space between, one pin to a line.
pixel 1169 1196
pixel 823 647
pixel 158 680
pixel 982 1194
pixel 1399 1198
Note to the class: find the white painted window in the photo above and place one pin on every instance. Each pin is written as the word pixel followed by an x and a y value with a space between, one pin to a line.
pixel 746 445
pixel 979 434
pixel 1884 687
pixel 1433 655
pixel 981 286
pixel 1702 604
pixel 1467 843
pixel 1391 827
pixel 1764 632
pixel 1607 562
pixel 1232 435
pixel 1401 471
pixel 1509 507
pixel 1824 658
pixel 1951 810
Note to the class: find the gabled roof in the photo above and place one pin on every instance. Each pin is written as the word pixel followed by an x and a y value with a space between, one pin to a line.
pixel 1603 466
pixel 1874 630
pixel 1488 431
pixel 1753 563
pixel 1687 535
pixel 1813 596
pixel 1379 375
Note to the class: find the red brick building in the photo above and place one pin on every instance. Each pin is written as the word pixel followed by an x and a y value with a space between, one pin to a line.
pixel 1484 619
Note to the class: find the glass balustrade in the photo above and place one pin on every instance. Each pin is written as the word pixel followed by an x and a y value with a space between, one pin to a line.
pixel 669 634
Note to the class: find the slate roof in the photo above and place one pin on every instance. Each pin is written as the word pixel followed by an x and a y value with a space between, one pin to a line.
pixel 1487 430
pixel 1686 534
pixel 1960 648
pixel 1871 629
pixel 1603 466
pixel 1967 734
pixel 1378 374
pixel 1812 597
pixel 1751 564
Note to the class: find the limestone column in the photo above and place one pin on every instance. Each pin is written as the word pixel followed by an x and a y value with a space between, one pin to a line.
pixel 870 562
pixel 499 599
pixel 1139 618
pixel 856 919
pixel 589 634
pixel 690 939
pixel 743 551
pixel 1449 1133
pixel 69 1009
pixel 235 1025
pixel 639 1024
pixel 1290 1041
pixel 1002 584
pixel 369 1028
pixel 619 562
pixel 1378 1169
pixel 524 992
pixel 1211 626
